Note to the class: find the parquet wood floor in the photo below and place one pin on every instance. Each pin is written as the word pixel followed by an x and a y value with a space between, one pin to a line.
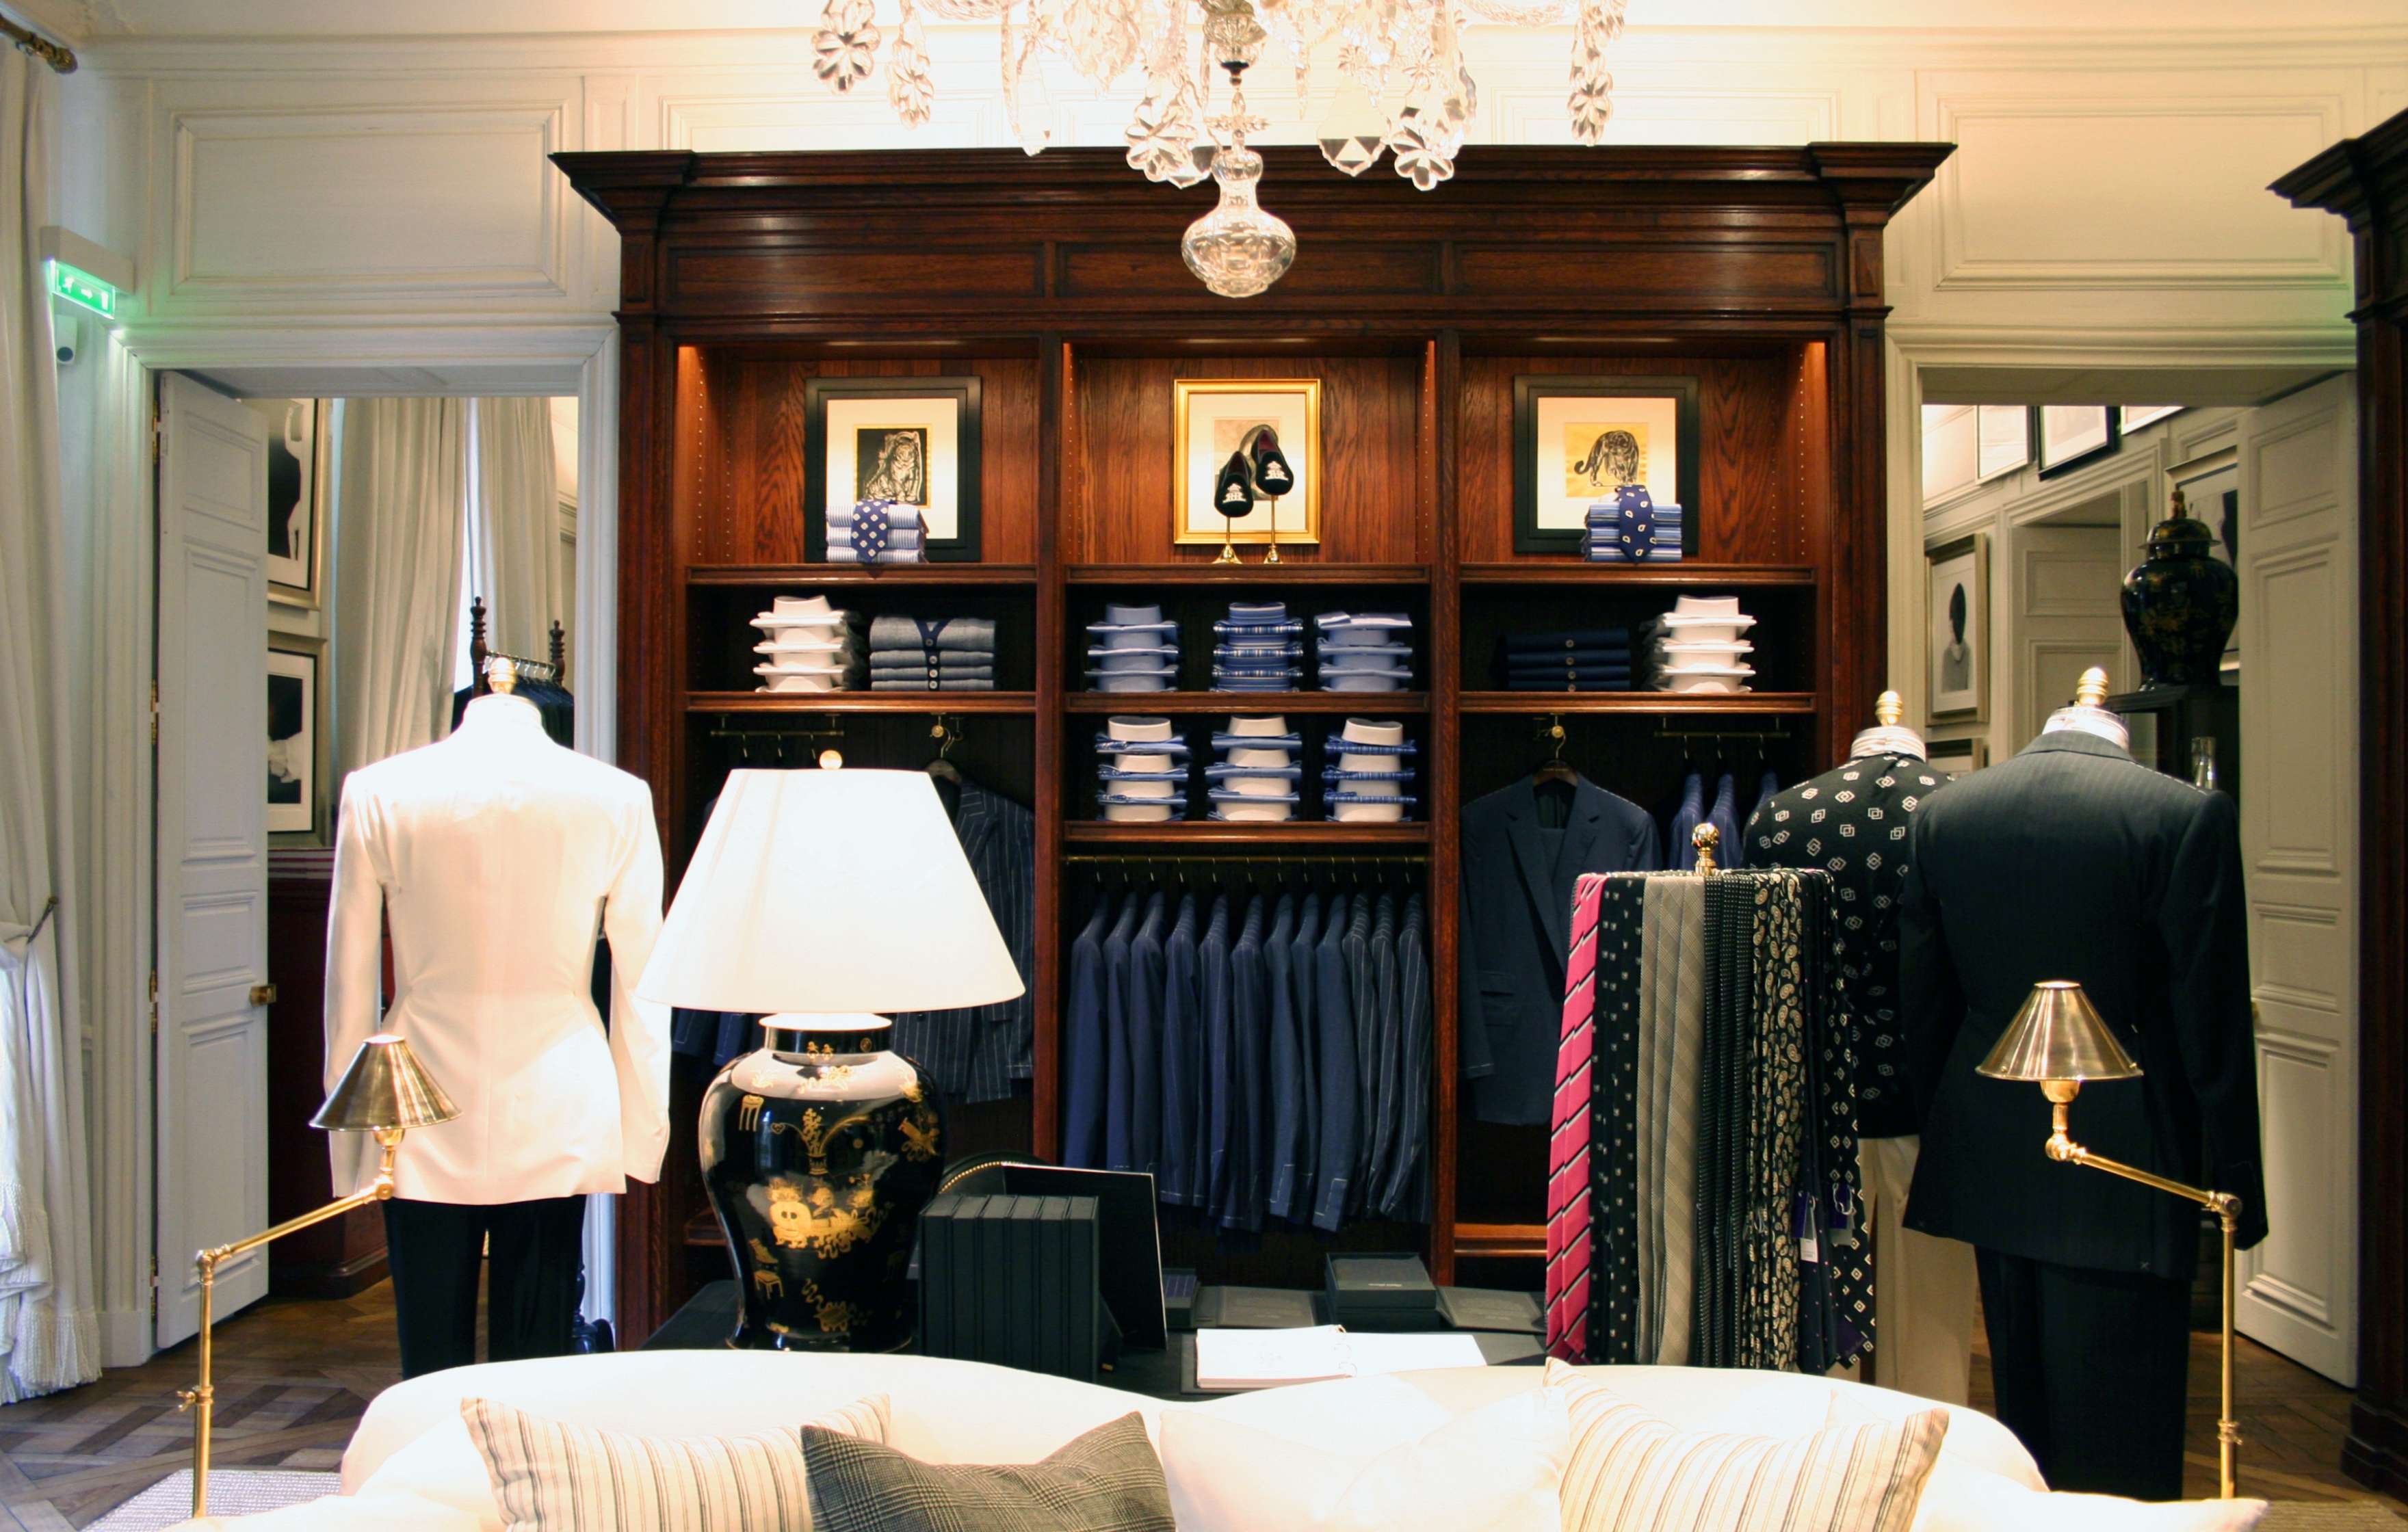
pixel 294 1378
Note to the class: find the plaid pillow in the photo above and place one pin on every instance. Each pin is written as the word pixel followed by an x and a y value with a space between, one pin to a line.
pixel 1108 1480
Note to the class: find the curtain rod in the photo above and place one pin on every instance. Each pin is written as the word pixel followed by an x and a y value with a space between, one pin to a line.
pixel 59 56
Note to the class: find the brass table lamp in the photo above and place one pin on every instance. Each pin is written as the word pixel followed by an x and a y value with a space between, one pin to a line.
pixel 2058 1039
pixel 386 1092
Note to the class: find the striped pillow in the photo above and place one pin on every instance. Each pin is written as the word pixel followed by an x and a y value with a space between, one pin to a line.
pixel 549 1476
pixel 1633 1472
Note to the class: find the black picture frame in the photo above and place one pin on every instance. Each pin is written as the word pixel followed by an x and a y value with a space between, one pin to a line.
pixel 2050 467
pixel 1530 389
pixel 962 392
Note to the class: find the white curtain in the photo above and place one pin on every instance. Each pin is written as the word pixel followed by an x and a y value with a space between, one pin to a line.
pixel 48 1328
pixel 517 567
pixel 401 506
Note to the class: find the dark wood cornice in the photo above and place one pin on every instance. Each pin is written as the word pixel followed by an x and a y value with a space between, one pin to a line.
pixel 2365 180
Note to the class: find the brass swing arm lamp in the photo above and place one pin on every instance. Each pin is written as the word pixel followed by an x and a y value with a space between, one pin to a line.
pixel 2059 1041
pixel 385 1091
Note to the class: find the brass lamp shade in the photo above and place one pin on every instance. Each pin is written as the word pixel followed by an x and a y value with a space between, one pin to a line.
pixel 2058 1035
pixel 385 1089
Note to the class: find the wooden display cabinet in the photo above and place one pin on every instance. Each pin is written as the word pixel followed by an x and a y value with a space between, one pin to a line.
pixel 1057 282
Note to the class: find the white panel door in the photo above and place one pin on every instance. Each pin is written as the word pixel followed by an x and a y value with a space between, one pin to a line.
pixel 2300 846
pixel 2066 582
pixel 212 846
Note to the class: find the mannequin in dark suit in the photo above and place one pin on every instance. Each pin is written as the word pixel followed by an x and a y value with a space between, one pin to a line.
pixel 1524 848
pixel 2072 861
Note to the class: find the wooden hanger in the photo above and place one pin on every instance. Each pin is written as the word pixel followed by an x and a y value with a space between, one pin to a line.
pixel 1554 768
pixel 947 733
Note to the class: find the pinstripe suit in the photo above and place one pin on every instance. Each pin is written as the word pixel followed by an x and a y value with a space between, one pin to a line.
pixel 1085 1046
pixel 975 1053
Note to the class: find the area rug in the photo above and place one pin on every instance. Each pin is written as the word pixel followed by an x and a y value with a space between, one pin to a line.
pixel 2329 1516
pixel 232 1492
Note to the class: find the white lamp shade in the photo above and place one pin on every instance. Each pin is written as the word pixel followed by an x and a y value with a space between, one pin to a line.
pixel 831 892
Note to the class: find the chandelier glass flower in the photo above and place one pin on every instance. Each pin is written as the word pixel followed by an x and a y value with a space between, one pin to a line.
pixel 1404 90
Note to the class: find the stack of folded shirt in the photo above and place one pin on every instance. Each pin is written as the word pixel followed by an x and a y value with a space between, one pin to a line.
pixel 1631 528
pixel 1575 660
pixel 1365 652
pixel 1256 777
pixel 1141 771
pixel 1132 650
pixel 1369 772
pixel 1698 646
pixel 874 532
pixel 932 654
pixel 1260 650
pixel 808 646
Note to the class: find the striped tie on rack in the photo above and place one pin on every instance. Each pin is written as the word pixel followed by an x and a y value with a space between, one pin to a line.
pixel 1569 1213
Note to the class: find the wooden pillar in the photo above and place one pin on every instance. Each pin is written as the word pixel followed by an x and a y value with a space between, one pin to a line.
pixel 2365 179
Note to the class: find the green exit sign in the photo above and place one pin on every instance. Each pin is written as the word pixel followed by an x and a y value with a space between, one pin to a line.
pixel 82 287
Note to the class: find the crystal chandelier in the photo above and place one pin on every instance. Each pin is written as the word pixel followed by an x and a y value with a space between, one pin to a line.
pixel 1403 89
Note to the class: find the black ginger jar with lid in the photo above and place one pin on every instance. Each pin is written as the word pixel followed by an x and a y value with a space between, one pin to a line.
pixel 819 1150
pixel 2180 603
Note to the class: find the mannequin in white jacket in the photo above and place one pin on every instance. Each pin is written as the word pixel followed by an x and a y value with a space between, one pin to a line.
pixel 498 857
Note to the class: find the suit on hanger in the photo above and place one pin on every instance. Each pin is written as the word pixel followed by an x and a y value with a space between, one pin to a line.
pixel 1363 1001
pixel 1516 892
pixel 1181 1068
pixel 1119 1083
pixel 1304 987
pixel 1146 986
pixel 1686 816
pixel 975 1053
pixel 1216 1124
pixel 495 855
pixel 1085 1048
pixel 2072 861
pixel 1249 1038
pixel 1284 1066
pixel 1723 817
pixel 1341 1103
pixel 1402 1196
pixel 1387 1054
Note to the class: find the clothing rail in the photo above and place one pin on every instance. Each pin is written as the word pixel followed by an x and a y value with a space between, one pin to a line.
pixel 1236 859
pixel 59 56
pixel 1773 732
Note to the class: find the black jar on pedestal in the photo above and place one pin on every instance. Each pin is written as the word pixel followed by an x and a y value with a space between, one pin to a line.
pixel 2180 603
pixel 819 1150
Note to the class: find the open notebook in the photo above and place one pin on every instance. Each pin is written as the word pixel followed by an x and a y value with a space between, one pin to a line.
pixel 1233 1359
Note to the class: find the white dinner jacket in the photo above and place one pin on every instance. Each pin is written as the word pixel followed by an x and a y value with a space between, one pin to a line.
pixel 499 855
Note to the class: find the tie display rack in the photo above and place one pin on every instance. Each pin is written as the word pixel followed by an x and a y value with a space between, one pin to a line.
pixel 1054 280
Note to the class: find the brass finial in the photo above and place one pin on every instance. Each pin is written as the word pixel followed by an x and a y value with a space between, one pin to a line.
pixel 502 673
pixel 1705 838
pixel 1888 708
pixel 2182 507
pixel 2091 691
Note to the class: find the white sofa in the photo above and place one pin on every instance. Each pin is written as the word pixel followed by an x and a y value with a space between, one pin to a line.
pixel 412 1464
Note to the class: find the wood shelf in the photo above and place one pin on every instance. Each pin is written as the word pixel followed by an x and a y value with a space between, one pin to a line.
pixel 1751 704
pixel 1284 573
pixel 1494 1241
pixel 1205 832
pixel 856 573
pixel 861 702
pixel 1580 572
pixel 1247 702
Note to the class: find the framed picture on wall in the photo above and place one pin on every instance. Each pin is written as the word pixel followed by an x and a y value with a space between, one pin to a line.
pixel 300 454
pixel 1958 638
pixel 2005 431
pixel 1576 440
pixel 1957 757
pixel 2068 435
pixel 911 441
pixel 298 748
pixel 1211 419
pixel 2131 418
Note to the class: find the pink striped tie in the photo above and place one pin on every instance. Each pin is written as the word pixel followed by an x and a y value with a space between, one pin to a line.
pixel 1568 1168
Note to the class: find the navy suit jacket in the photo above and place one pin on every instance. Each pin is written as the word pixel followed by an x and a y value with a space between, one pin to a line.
pixel 1363 1004
pixel 1284 1063
pixel 1400 1196
pixel 1145 1037
pixel 1119 1091
pixel 1084 1046
pixel 1334 1169
pixel 1386 1052
pixel 1305 986
pixel 1516 897
pixel 1250 1036
pixel 1219 1078
pixel 1182 1072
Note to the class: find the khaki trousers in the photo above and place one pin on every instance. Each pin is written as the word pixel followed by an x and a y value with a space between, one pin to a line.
pixel 1923 1286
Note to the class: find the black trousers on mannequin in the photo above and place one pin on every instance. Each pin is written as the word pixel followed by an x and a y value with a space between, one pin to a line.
pixel 437 1249
pixel 2090 1368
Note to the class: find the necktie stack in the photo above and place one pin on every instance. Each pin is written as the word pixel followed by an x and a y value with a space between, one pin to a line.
pixel 1141 773
pixel 1696 647
pixel 1365 652
pixel 1132 650
pixel 932 654
pixel 1255 778
pixel 1567 659
pixel 1259 649
pixel 875 532
pixel 806 645
pixel 1631 528
pixel 1368 773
